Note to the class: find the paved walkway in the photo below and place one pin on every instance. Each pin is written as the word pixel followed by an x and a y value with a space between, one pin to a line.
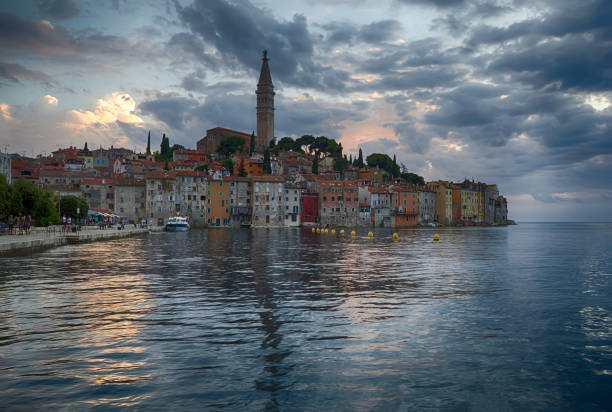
pixel 43 237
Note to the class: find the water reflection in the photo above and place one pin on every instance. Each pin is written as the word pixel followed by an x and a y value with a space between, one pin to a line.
pixel 286 319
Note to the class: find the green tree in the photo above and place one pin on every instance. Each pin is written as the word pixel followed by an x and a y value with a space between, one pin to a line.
pixel 252 145
pixel 360 159
pixel 241 170
pixel 413 178
pixel 202 168
pixel 228 164
pixel 230 145
pixel 28 192
pixel 267 165
pixel 73 206
pixel 340 164
pixel 45 210
pixel 165 146
pixel 286 143
pixel 85 149
pixel 4 196
pixel 149 143
pixel 315 165
pixel 384 162
pixel 304 141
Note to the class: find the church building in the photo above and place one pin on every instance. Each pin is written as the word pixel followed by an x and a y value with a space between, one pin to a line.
pixel 265 117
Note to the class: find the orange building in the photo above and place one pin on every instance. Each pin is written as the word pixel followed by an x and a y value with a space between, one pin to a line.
pixel 253 167
pixel 406 206
pixel 198 156
pixel 217 203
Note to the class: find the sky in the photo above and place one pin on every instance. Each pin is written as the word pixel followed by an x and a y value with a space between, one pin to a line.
pixel 512 92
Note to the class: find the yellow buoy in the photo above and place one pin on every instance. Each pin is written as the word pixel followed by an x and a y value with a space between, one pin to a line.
pixel 370 235
pixel 318 230
pixel 342 232
pixel 353 233
pixel 333 231
pixel 326 231
pixel 395 237
pixel 436 237
pixel 313 230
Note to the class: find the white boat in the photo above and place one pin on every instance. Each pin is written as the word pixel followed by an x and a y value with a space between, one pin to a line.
pixel 177 224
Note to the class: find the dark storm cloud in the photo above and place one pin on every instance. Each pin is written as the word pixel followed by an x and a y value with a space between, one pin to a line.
pixel 57 9
pixel 171 108
pixel 409 135
pixel 348 33
pixel 190 117
pixel 41 36
pixel 240 32
pixel 16 73
pixel 575 63
pixel 435 3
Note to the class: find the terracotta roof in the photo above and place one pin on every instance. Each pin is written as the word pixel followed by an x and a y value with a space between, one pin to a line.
pixel 160 174
pixel 97 181
pixel 237 179
pixel 229 130
pixel 190 173
pixel 267 178
pixel 337 183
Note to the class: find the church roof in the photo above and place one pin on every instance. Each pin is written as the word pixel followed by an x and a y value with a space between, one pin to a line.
pixel 264 77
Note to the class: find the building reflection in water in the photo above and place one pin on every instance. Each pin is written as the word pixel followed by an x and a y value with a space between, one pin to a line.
pixel 109 302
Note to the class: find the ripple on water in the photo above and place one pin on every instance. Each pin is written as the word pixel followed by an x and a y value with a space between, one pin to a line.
pixel 488 318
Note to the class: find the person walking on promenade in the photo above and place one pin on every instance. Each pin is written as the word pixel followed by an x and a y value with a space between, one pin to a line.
pixel 64 223
pixel 28 224
pixel 69 224
pixel 20 224
pixel 11 223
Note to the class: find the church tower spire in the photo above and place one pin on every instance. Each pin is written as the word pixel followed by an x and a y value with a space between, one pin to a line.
pixel 265 105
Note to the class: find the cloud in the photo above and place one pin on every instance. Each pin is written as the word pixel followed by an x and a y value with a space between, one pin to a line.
pixel 43 37
pixel 239 32
pixel 434 3
pixel 114 107
pixel 57 9
pixel 377 32
pixel 16 73
pixel 107 123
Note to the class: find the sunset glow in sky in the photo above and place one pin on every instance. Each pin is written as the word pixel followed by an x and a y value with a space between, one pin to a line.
pixel 512 92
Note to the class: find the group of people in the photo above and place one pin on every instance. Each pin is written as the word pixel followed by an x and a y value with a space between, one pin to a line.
pixel 19 224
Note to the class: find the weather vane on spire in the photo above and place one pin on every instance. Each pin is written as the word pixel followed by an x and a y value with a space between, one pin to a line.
pixel 265 54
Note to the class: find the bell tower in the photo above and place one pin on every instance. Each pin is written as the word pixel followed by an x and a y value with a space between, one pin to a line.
pixel 265 105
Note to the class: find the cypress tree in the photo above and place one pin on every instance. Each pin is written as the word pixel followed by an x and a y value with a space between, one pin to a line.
pixel 267 166
pixel 241 171
pixel 394 162
pixel 165 146
pixel 315 165
pixel 85 149
pixel 360 159
pixel 351 160
pixel 149 143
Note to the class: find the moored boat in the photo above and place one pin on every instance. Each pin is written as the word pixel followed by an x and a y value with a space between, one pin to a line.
pixel 177 224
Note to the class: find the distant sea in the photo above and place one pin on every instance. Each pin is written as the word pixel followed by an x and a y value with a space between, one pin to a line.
pixel 487 319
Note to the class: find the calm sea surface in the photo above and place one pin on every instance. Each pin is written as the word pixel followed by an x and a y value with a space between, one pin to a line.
pixel 516 318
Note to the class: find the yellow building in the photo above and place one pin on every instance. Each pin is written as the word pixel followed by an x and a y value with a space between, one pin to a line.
pixel 471 203
pixel 444 201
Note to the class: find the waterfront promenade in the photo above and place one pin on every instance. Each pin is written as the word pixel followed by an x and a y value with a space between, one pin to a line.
pixel 41 238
